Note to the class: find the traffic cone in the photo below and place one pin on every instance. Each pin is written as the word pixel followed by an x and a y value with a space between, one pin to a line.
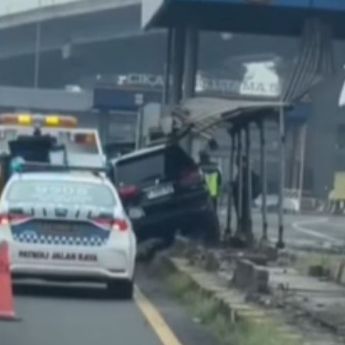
pixel 7 312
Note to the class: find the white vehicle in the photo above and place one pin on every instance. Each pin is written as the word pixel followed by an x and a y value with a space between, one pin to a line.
pixel 63 128
pixel 290 204
pixel 80 145
pixel 68 226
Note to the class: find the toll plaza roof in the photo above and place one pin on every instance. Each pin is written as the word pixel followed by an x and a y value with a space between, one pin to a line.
pixel 204 114
pixel 273 17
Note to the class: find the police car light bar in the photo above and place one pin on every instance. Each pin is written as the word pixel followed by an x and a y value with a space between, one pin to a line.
pixel 29 120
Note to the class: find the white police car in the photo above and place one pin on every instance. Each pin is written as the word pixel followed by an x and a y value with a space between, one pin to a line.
pixel 70 226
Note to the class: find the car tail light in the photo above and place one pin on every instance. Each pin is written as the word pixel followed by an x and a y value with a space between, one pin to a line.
pixel 103 223
pixel 191 178
pixel 129 192
pixel 120 225
pixel 112 224
pixel 4 220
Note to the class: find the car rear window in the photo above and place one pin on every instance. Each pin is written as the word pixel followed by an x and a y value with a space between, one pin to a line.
pixel 167 164
pixel 64 192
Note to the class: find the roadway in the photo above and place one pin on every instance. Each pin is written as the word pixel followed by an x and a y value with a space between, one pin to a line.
pixel 303 230
pixel 79 315
pixel 307 230
pixel 84 315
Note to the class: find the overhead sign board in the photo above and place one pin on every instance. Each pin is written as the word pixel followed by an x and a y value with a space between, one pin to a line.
pixel 259 80
pixel 275 16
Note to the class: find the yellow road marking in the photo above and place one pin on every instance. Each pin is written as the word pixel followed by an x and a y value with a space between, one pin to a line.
pixel 155 319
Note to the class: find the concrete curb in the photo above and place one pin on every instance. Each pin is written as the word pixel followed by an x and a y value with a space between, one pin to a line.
pixel 232 303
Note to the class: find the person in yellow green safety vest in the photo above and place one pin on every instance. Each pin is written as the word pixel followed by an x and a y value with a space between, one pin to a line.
pixel 213 177
pixel 17 164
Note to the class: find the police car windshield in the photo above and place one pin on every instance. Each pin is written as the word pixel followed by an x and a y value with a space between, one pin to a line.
pixel 62 192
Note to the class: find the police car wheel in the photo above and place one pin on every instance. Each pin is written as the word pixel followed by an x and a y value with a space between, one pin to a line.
pixel 122 289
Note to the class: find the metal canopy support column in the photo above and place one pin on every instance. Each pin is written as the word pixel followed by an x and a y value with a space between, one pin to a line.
pixel 248 176
pixel 303 137
pixel 177 64
pixel 280 243
pixel 240 182
pixel 167 70
pixel 37 57
pixel 263 173
pixel 228 231
pixel 190 71
pixel 191 62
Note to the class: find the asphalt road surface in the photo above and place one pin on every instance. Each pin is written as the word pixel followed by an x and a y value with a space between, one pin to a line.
pixel 83 315
pixel 73 316
pixel 302 230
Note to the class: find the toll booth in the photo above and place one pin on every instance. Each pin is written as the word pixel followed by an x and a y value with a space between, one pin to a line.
pixel 120 112
pixel 240 118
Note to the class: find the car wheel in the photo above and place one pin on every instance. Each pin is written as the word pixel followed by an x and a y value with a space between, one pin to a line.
pixel 122 289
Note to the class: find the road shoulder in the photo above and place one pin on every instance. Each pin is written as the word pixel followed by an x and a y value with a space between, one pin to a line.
pixel 186 330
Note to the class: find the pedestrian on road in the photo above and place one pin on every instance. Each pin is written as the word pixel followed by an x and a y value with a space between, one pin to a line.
pixel 17 164
pixel 213 177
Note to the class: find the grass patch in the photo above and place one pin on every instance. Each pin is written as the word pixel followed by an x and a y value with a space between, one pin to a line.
pixel 208 312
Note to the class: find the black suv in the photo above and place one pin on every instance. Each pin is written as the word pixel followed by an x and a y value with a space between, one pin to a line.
pixel 163 191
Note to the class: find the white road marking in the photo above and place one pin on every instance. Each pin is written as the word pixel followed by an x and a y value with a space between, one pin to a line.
pixel 300 226
pixel 336 224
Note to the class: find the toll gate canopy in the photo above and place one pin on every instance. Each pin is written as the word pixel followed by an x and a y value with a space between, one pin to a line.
pixel 205 114
pixel 273 17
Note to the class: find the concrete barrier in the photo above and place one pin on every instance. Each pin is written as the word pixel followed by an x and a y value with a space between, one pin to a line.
pixel 231 303
pixel 337 272
pixel 250 277
pixel 211 261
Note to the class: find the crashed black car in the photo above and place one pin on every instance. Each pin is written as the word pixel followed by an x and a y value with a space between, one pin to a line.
pixel 164 192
